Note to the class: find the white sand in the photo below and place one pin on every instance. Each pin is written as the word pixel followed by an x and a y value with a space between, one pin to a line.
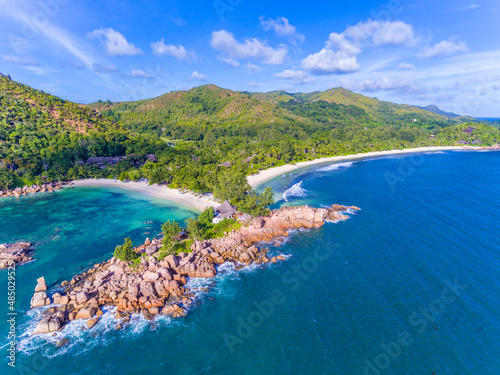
pixel 265 175
pixel 160 191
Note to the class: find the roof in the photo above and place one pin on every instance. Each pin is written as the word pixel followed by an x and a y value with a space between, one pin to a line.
pixel 225 209
pixel 104 159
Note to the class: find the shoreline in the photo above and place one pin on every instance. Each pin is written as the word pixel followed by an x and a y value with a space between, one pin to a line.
pixel 187 199
pixel 268 174
pixel 159 285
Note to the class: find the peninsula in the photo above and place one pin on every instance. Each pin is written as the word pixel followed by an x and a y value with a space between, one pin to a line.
pixel 159 285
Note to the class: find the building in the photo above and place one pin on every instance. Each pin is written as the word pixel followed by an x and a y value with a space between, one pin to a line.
pixel 224 211
pixel 152 157
pixel 103 161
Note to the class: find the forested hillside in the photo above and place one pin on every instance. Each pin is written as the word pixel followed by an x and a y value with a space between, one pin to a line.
pixel 207 138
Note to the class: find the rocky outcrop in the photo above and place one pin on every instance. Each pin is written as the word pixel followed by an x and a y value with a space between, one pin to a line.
pixel 19 192
pixel 159 286
pixel 15 254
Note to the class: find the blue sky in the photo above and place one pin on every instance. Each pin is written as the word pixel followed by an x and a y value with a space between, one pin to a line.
pixel 418 52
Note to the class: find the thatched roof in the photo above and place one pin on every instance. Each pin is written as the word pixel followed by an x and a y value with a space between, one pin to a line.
pixel 226 210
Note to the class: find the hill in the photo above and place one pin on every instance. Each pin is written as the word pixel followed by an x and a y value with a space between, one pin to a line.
pixel 43 136
pixel 435 109
pixel 202 105
pixel 207 138
pixel 379 111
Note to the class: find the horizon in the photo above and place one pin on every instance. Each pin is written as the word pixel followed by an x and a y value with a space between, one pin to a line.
pixel 396 51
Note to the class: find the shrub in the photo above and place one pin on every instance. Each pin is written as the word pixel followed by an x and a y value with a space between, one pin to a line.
pixel 125 252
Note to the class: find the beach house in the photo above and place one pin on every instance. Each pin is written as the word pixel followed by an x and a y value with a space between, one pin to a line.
pixel 224 211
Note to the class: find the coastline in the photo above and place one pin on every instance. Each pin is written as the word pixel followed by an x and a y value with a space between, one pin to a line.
pixel 187 199
pixel 268 174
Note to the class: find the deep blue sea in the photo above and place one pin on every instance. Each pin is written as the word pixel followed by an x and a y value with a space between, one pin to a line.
pixel 409 285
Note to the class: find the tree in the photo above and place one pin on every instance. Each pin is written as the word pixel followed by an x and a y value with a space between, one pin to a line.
pixel 170 230
pixel 7 179
pixel 125 252
pixel 196 229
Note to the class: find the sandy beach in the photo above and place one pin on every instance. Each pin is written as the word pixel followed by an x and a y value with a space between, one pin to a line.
pixel 265 175
pixel 184 199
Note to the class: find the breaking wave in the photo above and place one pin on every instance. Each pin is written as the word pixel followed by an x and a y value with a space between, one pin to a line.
pixel 334 167
pixel 295 191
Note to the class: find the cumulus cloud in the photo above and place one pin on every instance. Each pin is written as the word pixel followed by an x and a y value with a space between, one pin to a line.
pixel 103 68
pixel 179 52
pixel 442 48
pixel 227 44
pixel 198 76
pixel 138 73
pixel 281 27
pixel 253 84
pixel 18 60
pixel 382 83
pixel 114 42
pixel 406 66
pixel 340 51
pixel 328 61
pixel 296 76
pixel 229 61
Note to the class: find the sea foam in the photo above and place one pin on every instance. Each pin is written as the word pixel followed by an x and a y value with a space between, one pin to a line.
pixel 295 191
pixel 336 166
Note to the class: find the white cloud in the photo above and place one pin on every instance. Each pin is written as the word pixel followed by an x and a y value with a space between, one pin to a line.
pixel 470 7
pixel 39 70
pixel 282 27
pixel 252 68
pixel 340 51
pixel 382 83
pixel 114 42
pixel 253 84
pixel 406 66
pixel 226 43
pixel 138 73
pixel 328 61
pixel 198 76
pixel 296 76
pixel 54 33
pixel 179 52
pixel 442 48
pixel 178 21
pixel 229 61
pixel 103 68
pixel 18 60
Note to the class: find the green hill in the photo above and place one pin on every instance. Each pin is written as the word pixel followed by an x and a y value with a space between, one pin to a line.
pixel 207 138
pixel 201 106
pixel 43 136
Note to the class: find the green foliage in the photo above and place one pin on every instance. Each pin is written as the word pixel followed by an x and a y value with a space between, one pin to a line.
pixel 170 230
pixel 126 251
pixel 207 138
pixel 196 229
pixel 257 204
pixel 7 179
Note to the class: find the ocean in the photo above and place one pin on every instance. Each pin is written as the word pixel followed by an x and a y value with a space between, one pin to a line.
pixel 408 285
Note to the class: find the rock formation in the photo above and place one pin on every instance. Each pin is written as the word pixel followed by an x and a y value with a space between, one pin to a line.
pixel 159 286
pixel 18 192
pixel 16 253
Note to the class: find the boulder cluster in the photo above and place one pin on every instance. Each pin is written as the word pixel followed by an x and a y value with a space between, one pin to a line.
pixel 15 253
pixel 159 286
pixel 18 192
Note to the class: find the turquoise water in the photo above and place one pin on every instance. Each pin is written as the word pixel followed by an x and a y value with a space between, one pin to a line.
pixel 409 285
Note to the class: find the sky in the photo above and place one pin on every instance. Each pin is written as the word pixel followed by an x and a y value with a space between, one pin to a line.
pixel 416 52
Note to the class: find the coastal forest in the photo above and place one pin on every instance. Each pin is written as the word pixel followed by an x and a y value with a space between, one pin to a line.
pixel 208 139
